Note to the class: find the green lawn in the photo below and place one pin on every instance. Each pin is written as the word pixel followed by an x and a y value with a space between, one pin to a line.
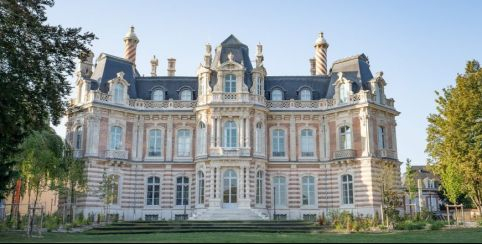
pixel 444 236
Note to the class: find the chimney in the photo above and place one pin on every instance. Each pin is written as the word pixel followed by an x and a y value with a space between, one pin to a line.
pixel 171 67
pixel 321 47
pixel 259 55
pixel 130 45
pixel 154 64
pixel 86 64
pixel 207 56
pixel 312 66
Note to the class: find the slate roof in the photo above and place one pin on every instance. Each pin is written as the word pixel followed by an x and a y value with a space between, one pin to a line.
pixel 355 68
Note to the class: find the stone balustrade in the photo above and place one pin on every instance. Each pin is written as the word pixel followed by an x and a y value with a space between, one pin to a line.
pixel 346 153
pixel 116 154
pixel 387 153
pixel 229 152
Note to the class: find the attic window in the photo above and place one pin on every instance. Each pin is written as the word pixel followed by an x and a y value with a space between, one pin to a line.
pixel 186 95
pixel 158 95
pixel 276 95
pixel 305 94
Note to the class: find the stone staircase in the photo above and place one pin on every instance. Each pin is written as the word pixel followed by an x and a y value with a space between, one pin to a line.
pixel 228 214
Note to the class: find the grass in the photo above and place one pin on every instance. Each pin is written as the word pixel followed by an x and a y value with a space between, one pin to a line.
pixel 442 236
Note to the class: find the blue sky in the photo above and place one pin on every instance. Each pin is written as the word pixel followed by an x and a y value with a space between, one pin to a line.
pixel 419 45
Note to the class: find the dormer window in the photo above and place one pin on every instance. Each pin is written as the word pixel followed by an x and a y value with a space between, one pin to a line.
pixel 186 95
pixel 344 92
pixel 118 93
pixel 158 95
pixel 276 95
pixel 305 95
pixel 230 83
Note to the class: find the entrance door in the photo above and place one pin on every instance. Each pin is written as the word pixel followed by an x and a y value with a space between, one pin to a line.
pixel 230 189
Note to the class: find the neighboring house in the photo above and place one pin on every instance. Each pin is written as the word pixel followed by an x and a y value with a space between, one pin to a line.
pixel 232 141
pixel 430 188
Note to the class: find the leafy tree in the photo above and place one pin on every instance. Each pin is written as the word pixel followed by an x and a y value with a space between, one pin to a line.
pixel 108 191
pixel 410 183
pixel 36 60
pixel 391 195
pixel 40 164
pixel 454 141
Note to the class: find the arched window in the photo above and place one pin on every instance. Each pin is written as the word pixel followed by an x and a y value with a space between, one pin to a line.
pixel 158 95
pixel 184 143
pixel 279 184
pixel 307 143
pixel 118 93
pixel 278 143
pixel 78 137
pixel 259 137
pixel 230 134
pixel 230 83
pixel 186 95
pixel 347 189
pixel 305 95
pixel 112 184
pixel 308 190
pixel 116 138
pixel 344 92
pixel 259 187
pixel 153 191
pixel 201 137
pixel 345 138
pixel 259 86
pixel 276 95
pixel 200 179
pixel 154 143
pixel 381 137
pixel 182 191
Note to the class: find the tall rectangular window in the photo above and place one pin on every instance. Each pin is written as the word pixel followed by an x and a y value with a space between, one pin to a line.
pixel 184 143
pixel 153 191
pixel 280 191
pixel 116 138
pixel 381 137
pixel 347 188
pixel 155 143
pixel 278 143
pixel 307 143
pixel 230 83
pixel 308 190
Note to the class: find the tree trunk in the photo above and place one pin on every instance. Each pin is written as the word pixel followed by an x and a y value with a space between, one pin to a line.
pixel 33 212
pixel 72 200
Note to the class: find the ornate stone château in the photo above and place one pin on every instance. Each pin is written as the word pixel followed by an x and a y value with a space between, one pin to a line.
pixel 232 142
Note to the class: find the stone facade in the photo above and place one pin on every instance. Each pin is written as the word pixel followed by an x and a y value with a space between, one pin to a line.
pixel 226 139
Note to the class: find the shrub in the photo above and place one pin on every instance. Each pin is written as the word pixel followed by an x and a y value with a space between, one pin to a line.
pixel 436 225
pixel 480 222
pixel 52 222
pixel 410 225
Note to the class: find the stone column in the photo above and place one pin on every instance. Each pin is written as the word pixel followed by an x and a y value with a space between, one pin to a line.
pixel 292 136
pixel 241 132
pixel 213 130
pixel 248 132
pixel 93 127
pixel 218 132
pixel 169 138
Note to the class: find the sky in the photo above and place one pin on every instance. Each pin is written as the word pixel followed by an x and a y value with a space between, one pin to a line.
pixel 420 46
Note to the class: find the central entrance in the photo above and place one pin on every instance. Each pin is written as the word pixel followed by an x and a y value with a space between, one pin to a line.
pixel 230 189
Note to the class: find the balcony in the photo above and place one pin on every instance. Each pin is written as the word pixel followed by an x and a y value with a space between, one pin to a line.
pixel 77 153
pixel 229 152
pixel 116 154
pixel 346 153
pixel 387 153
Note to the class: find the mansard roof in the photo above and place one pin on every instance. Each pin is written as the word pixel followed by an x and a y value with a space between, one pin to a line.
pixel 355 68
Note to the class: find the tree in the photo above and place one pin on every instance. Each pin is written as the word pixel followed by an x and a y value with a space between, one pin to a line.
pixel 391 197
pixel 454 140
pixel 410 183
pixel 36 60
pixel 108 191
pixel 40 164
pixel 73 180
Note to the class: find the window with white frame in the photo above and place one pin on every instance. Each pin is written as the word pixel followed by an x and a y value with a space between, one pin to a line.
pixel 381 137
pixel 201 138
pixel 308 191
pixel 186 95
pixel 78 137
pixel 345 138
pixel 153 191
pixel 259 137
pixel 278 142
pixel 182 191
pixel 347 189
pixel 230 83
pixel 259 187
pixel 154 143
pixel 280 191
pixel 184 143
pixel 113 188
pixel 230 134
pixel 307 143
pixel 277 95
pixel 200 179
pixel 344 92
pixel 158 95
pixel 116 138
pixel 259 86
pixel 305 94
pixel 118 93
